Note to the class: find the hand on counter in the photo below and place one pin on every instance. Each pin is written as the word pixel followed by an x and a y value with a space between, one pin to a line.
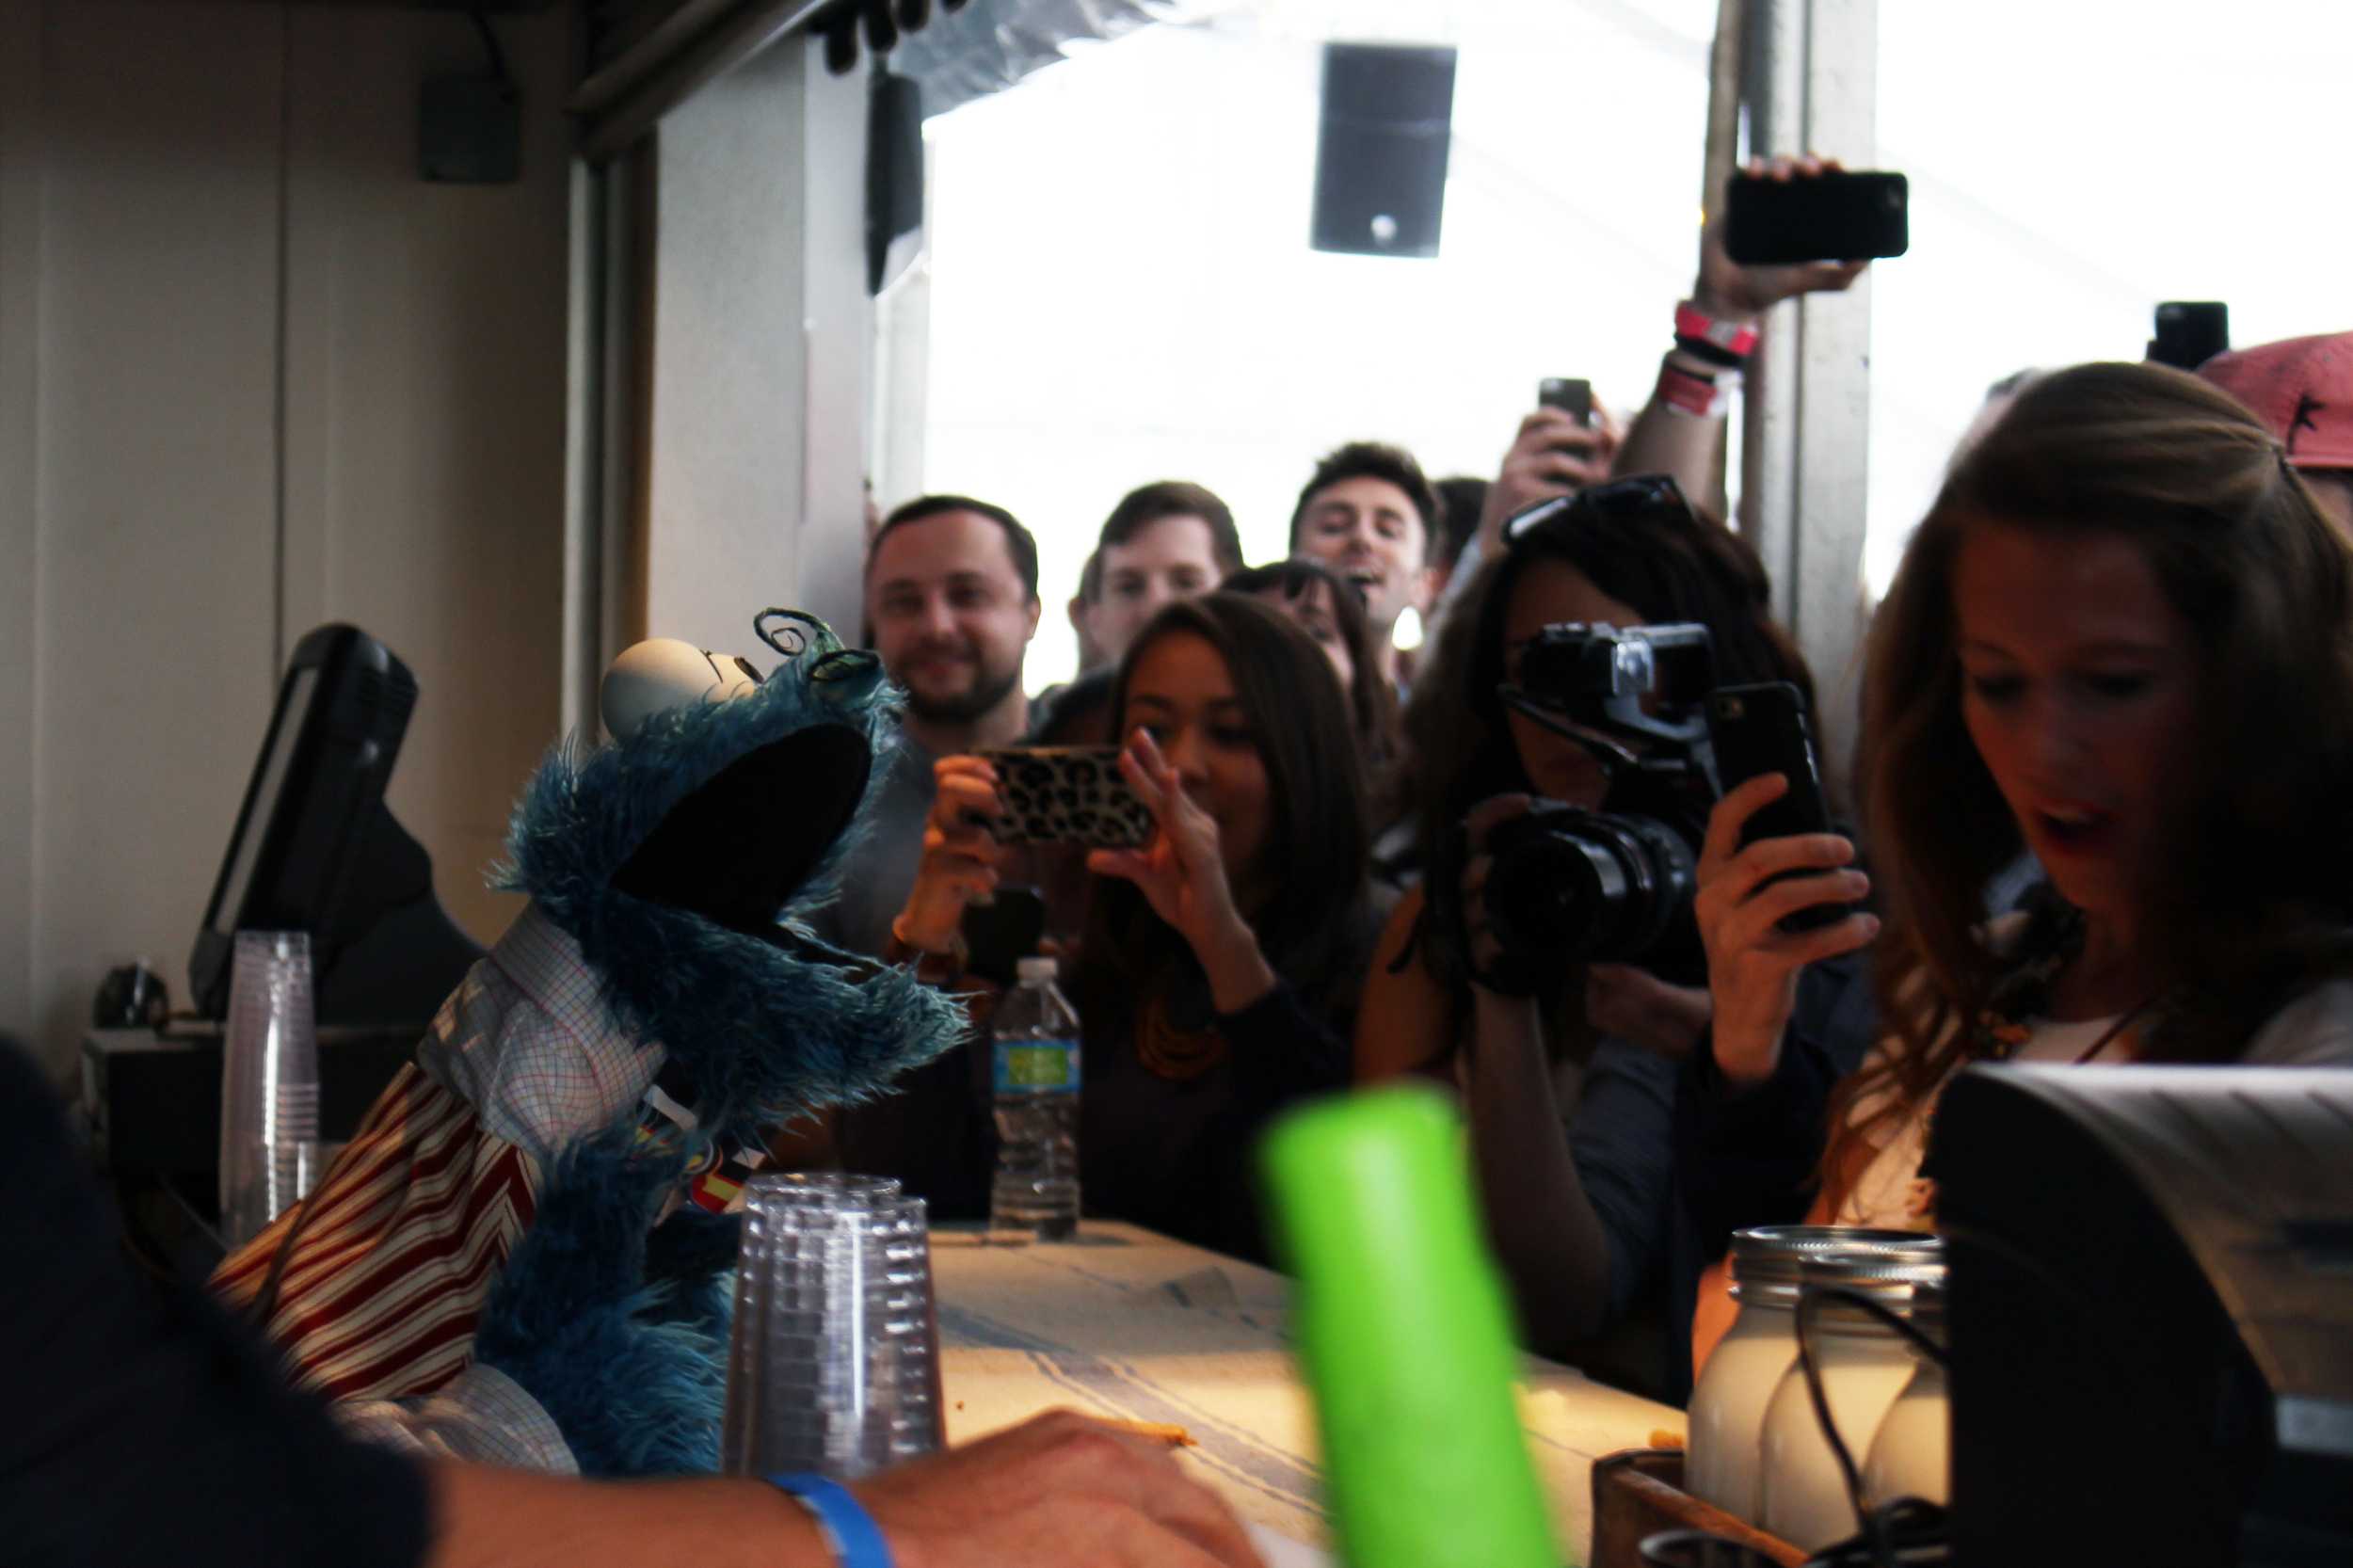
pixel 1060 1491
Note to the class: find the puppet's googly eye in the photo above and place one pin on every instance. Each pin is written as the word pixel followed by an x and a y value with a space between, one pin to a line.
pixel 791 633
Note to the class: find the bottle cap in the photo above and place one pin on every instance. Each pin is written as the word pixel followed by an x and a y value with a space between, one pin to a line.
pixel 1036 967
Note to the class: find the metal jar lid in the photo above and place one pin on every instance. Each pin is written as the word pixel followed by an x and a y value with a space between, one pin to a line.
pixel 1770 1262
pixel 1928 1307
pixel 1888 1279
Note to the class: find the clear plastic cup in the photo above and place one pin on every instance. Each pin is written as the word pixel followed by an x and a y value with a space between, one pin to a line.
pixel 269 1086
pixel 834 1361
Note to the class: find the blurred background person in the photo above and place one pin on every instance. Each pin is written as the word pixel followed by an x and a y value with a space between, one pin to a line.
pixel 1369 517
pixel 2302 390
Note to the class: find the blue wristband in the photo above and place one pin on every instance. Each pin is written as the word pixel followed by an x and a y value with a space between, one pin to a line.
pixel 848 1529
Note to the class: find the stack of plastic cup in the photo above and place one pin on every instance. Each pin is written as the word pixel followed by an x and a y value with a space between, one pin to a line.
pixel 269 1083
pixel 834 1366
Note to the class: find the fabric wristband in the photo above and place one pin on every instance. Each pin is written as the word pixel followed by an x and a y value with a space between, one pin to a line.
pixel 1700 348
pixel 857 1541
pixel 1727 343
pixel 1689 393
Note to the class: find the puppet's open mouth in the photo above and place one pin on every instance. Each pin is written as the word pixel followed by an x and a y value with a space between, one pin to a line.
pixel 737 848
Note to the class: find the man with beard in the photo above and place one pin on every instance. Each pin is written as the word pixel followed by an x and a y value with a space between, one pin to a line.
pixel 1369 516
pixel 952 603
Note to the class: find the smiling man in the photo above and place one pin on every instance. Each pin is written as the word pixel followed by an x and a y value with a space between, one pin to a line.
pixel 1164 541
pixel 1369 515
pixel 951 601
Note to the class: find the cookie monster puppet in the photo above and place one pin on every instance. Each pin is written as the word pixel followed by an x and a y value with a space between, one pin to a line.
pixel 523 1255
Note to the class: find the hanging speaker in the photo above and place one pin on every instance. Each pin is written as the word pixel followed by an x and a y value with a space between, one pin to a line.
pixel 1381 154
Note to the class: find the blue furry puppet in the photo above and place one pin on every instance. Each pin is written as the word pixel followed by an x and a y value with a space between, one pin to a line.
pixel 522 1256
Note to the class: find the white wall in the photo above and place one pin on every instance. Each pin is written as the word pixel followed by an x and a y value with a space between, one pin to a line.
pixel 254 376
pixel 760 329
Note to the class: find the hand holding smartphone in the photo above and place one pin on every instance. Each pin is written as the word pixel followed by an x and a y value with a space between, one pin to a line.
pixel 1573 397
pixel 1066 795
pixel 1760 729
pixel 1836 215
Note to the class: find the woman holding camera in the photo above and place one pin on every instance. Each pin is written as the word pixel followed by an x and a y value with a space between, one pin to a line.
pixel 1218 961
pixel 1569 1083
pixel 2122 639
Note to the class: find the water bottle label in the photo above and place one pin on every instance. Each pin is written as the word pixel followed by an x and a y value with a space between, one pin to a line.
pixel 1037 1066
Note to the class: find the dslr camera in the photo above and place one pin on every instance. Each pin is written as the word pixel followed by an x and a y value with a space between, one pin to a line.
pixel 1612 885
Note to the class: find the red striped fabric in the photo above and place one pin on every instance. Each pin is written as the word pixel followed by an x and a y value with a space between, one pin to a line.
pixel 408 1229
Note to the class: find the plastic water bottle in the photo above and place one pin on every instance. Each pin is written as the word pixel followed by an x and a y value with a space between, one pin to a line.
pixel 1035 1044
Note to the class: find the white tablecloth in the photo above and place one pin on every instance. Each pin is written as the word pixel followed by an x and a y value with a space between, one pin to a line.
pixel 1128 1324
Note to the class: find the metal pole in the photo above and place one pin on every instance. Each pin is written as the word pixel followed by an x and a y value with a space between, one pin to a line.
pixel 1811 77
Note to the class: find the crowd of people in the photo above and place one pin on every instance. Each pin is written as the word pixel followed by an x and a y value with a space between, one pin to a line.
pixel 2106 729
pixel 2096 762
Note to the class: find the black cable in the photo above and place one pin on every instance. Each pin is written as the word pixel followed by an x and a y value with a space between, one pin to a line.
pixel 1880 1527
pixel 1812 1367
pixel 1887 1317
pixel 490 47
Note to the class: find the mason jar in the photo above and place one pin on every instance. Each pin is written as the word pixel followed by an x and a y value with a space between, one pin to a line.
pixel 1864 1367
pixel 1727 1413
pixel 1913 1454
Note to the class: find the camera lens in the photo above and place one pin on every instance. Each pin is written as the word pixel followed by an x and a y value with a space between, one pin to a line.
pixel 1578 886
pixel 1555 892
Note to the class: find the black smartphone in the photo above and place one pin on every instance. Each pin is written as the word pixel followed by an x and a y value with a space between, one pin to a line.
pixel 1573 398
pixel 1760 729
pixel 2190 332
pixel 1836 215
pixel 1000 933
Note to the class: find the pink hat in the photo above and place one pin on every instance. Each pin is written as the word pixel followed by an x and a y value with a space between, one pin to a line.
pixel 2303 389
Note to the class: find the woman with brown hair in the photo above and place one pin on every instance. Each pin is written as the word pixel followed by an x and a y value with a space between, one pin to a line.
pixel 2122 639
pixel 1218 961
pixel 1568 1070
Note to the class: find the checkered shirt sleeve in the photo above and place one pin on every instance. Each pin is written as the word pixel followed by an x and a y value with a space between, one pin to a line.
pixel 482 1417
pixel 528 1042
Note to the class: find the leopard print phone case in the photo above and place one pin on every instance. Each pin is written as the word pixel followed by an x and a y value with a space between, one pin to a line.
pixel 1067 795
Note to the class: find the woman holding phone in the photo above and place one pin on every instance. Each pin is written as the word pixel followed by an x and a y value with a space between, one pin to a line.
pixel 1220 958
pixel 1570 1090
pixel 2122 639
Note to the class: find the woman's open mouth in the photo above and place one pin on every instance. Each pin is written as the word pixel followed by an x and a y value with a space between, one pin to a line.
pixel 2073 828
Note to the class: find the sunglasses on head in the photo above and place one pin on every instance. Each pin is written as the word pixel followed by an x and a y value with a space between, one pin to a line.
pixel 1641 494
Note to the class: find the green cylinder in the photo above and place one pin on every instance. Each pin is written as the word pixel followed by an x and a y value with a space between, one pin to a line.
pixel 1405 1336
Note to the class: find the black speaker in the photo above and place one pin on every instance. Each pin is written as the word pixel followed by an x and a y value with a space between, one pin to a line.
pixel 1381 155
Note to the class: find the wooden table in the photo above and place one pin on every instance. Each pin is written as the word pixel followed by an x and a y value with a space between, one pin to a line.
pixel 1128 1324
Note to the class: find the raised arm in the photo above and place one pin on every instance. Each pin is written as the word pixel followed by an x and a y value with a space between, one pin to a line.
pixel 1681 429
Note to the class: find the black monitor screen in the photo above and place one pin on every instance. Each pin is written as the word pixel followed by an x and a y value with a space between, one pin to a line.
pixel 271 780
pixel 311 811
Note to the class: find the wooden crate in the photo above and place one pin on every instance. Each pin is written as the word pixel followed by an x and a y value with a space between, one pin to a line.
pixel 1639 1492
